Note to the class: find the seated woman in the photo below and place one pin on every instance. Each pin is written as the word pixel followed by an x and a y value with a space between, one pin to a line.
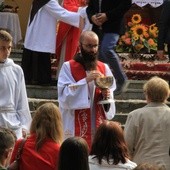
pixel 73 154
pixel 109 150
pixel 41 148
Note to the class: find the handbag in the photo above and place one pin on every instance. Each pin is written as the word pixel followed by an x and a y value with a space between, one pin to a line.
pixel 15 165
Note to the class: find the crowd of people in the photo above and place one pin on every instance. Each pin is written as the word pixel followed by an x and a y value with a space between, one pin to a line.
pixel 79 134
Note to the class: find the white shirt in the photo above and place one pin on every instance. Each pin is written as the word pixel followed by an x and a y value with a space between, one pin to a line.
pixel 41 33
pixel 94 165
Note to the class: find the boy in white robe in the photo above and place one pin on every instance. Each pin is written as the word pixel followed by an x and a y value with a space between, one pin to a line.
pixel 77 94
pixel 14 109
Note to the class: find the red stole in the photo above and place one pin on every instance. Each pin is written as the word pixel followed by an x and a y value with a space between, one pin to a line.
pixel 69 33
pixel 83 116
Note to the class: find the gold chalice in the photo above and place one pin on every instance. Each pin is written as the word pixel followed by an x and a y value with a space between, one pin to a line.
pixel 104 83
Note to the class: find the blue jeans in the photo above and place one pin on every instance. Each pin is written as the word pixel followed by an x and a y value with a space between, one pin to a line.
pixel 109 56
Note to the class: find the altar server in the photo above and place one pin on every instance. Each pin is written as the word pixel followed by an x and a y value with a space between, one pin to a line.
pixel 14 109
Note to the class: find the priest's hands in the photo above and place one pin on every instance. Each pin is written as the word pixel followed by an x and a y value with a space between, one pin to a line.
pixel 105 93
pixel 92 75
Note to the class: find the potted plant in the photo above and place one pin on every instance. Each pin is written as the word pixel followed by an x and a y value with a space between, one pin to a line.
pixel 139 39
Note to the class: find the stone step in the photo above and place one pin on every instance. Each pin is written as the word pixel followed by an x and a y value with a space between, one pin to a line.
pixel 41 92
pixel 123 107
pixel 132 90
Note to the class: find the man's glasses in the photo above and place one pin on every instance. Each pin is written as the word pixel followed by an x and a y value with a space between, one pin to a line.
pixel 90 46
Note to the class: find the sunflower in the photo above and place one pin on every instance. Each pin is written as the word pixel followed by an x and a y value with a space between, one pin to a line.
pixel 138 37
pixel 135 38
pixel 136 18
pixel 153 30
pixel 139 30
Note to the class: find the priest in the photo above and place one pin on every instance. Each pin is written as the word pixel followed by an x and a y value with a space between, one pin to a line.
pixel 77 94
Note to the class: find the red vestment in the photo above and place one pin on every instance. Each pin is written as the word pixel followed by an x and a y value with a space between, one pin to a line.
pixel 83 116
pixel 68 34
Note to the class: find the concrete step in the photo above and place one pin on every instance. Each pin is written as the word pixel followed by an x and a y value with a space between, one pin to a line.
pixel 41 92
pixel 16 55
pixel 123 107
pixel 132 90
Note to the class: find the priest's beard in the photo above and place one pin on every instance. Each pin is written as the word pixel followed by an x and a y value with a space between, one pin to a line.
pixel 89 59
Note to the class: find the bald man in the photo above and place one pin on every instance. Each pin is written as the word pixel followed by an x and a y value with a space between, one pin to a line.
pixel 77 94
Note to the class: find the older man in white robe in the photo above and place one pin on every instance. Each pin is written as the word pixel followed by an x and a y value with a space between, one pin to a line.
pixel 77 94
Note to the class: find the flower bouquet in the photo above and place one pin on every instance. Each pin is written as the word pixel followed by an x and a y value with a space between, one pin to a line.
pixel 138 38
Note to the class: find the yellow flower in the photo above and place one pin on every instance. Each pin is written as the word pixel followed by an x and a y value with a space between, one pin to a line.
pixel 138 37
pixel 135 38
pixel 136 19
pixel 153 28
pixel 139 30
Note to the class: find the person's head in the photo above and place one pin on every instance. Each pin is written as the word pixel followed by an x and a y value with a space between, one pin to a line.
pixel 7 141
pixel 156 90
pixel 73 154
pixel 147 166
pixel 89 43
pixel 109 143
pixel 47 123
pixel 5 45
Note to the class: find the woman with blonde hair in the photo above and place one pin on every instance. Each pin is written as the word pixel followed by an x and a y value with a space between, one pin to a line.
pixel 41 148
pixel 147 129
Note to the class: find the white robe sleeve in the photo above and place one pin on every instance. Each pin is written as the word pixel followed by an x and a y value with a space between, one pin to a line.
pixel 72 94
pixel 71 18
pixel 22 107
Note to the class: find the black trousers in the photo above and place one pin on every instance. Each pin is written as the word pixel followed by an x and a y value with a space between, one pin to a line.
pixel 36 67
